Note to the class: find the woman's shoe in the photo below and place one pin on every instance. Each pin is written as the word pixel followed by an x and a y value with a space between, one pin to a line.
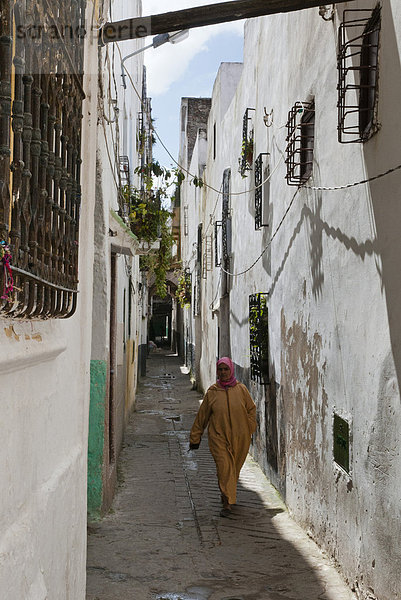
pixel 225 512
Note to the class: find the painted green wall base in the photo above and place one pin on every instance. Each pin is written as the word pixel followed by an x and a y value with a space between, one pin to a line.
pixel 96 437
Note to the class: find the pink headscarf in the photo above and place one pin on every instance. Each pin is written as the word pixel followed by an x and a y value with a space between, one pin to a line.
pixel 232 381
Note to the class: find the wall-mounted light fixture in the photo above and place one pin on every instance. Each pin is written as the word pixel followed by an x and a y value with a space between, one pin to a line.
pixel 157 41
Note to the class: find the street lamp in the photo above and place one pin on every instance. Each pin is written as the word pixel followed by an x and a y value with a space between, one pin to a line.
pixel 157 41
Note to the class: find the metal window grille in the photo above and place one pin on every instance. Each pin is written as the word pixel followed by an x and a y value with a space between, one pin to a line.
pixel 140 134
pixel 259 337
pixel 226 230
pixel 188 285
pixel 246 159
pixel 358 70
pixel 197 287
pixel 148 132
pixel 217 251
pixel 185 220
pixel 207 256
pixel 260 169
pixel 125 171
pixel 41 98
pixel 300 142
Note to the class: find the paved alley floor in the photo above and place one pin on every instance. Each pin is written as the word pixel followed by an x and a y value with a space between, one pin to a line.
pixel 164 538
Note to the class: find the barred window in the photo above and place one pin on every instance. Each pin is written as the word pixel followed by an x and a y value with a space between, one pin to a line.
pixel 226 230
pixel 41 94
pixel 259 337
pixel 300 142
pixel 198 273
pixel 246 159
pixel 358 74
pixel 217 243
pixel 262 189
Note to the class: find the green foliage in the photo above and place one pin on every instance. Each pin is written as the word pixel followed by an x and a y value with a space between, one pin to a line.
pixel 149 221
pixel 258 326
pixel 184 289
pixel 246 158
pixel 160 263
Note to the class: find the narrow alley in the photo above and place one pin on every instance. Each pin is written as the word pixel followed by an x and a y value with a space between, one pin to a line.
pixel 164 539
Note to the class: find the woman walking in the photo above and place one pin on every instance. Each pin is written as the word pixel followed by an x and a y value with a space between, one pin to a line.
pixel 230 414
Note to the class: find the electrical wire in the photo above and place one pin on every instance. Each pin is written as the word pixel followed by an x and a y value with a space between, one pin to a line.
pixel 317 188
pixel 183 169
pixel 349 185
pixel 268 244
pixel 232 194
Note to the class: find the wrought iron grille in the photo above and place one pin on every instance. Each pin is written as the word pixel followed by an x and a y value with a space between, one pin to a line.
pixel 217 254
pixel 207 256
pixel 246 159
pixel 259 196
pixel 259 337
pixel 226 219
pixel 198 271
pixel 300 142
pixel 41 98
pixel 358 70
pixel 148 132
pixel 140 134
pixel 124 170
pixel 185 220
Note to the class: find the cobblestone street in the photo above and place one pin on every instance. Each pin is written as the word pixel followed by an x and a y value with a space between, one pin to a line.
pixel 164 538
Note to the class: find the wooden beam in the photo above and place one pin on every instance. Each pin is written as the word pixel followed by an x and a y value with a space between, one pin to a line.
pixel 200 16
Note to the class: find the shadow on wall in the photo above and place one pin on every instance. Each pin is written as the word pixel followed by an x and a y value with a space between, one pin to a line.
pixel 382 152
pixel 318 227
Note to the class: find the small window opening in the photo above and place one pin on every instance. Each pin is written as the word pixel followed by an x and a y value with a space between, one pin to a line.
pixel 259 338
pixel 214 142
pixel 300 142
pixel 358 75
pixel 262 190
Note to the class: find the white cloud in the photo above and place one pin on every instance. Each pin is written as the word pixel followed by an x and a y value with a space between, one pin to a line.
pixel 167 64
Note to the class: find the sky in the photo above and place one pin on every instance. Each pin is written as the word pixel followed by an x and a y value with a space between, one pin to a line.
pixel 188 68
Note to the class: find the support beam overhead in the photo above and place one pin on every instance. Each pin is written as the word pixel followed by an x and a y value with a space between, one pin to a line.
pixel 210 14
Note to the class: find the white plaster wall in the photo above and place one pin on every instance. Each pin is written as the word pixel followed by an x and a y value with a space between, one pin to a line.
pixel 334 292
pixel 116 137
pixel 44 370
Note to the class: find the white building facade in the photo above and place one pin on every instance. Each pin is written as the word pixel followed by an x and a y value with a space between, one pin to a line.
pixel 72 309
pixel 298 282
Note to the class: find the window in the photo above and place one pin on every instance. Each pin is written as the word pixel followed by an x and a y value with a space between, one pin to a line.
pixel 358 70
pixel 185 220
pixel 214 142
pixel 40 147
pixel 300 142
pixel 198 273
pixel 217 243
pixel 341 439
pixel 262 171
pixel 226 220
pixel 259 338
pixel 207 256
pixel 246 158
